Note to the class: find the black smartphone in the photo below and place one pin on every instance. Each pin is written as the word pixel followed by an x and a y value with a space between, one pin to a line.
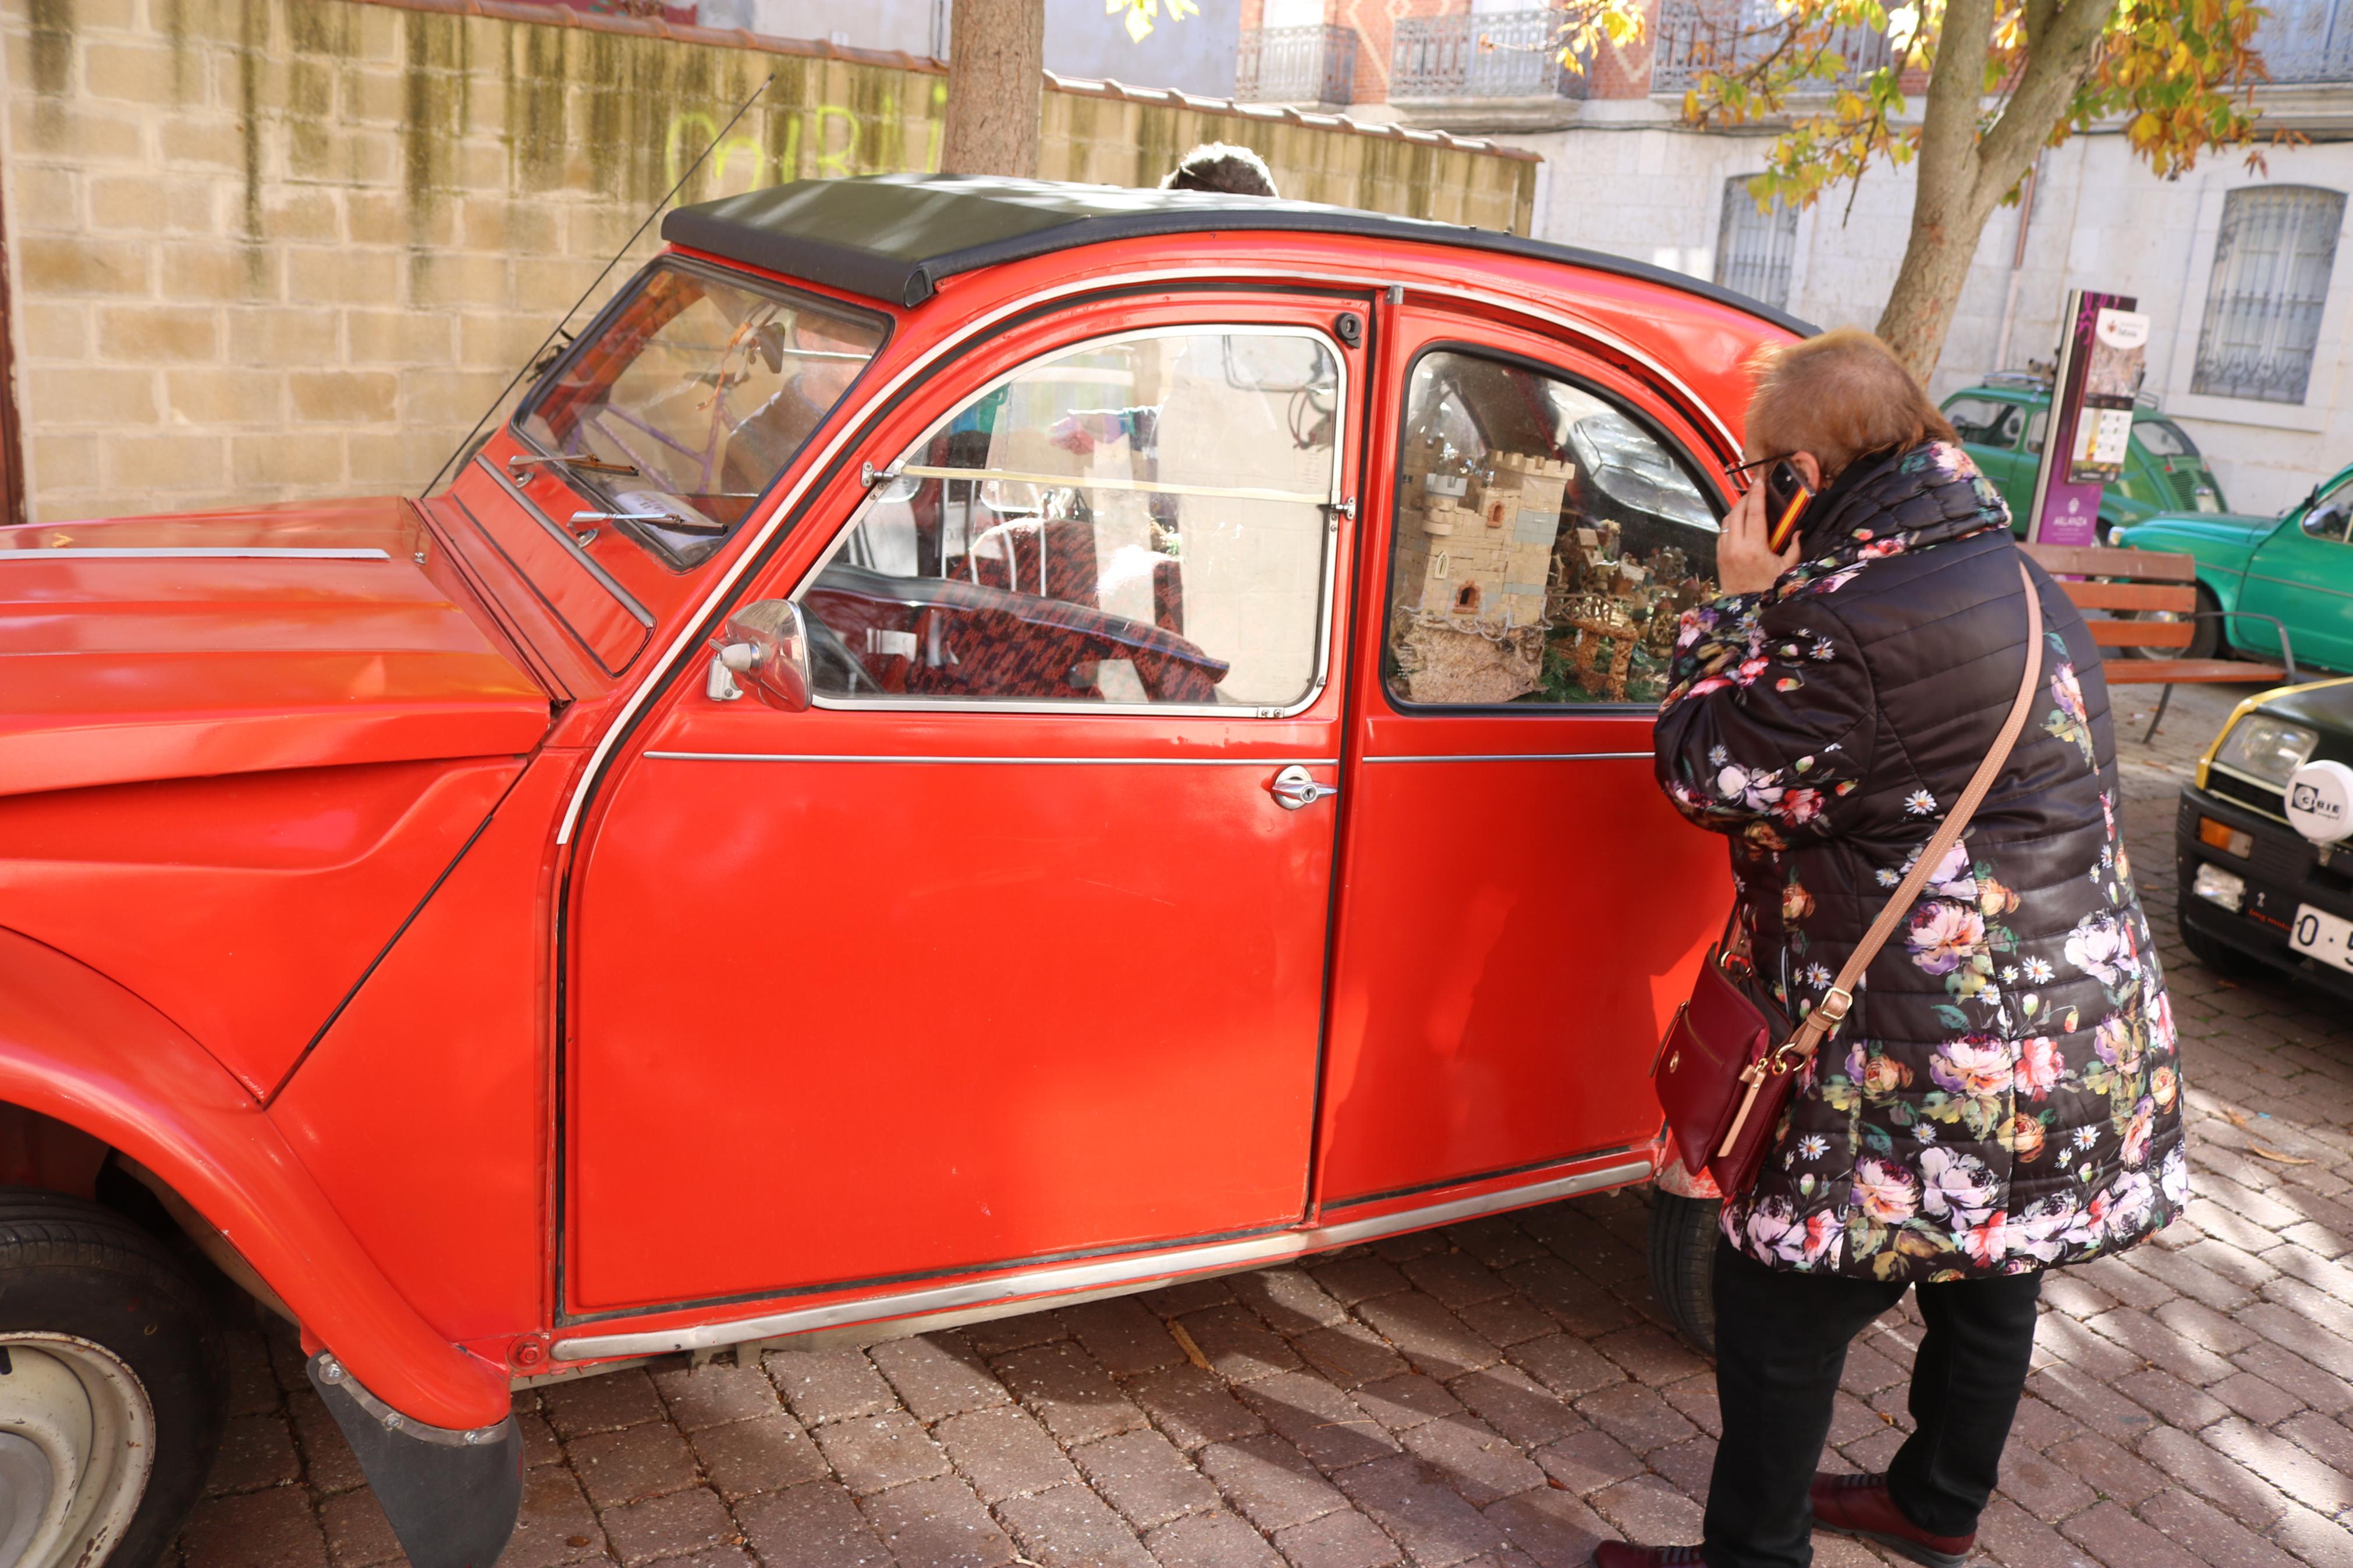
pixel 1785 497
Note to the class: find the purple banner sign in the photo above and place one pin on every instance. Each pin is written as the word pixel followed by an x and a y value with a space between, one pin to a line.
pixel 2090 418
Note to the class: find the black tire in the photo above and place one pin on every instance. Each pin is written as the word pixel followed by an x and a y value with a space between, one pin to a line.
pixel 2205 637
pixel 2218 956
pixel 68 1267
pixel 1682 1264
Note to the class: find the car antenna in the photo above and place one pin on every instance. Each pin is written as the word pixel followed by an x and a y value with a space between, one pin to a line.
pixel 537 359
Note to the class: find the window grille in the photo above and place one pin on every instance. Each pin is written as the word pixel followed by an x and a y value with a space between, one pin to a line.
pixel 2271 282
pixel 1754 249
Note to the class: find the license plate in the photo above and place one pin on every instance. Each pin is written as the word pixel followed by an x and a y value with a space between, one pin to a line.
pixel 2322 936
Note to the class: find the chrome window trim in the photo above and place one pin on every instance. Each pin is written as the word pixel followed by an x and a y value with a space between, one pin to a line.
pixel 1000 762
pixel 605 579
pixel 1138 487
pixel 1216 1258
pixel 882 397
pixel 191 552
pixel 1516 757
pixel 1326 619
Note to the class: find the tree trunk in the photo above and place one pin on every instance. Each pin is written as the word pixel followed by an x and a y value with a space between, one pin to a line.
pixel 997 88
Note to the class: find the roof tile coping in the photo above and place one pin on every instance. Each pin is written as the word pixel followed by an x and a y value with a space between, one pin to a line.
pixel 550 15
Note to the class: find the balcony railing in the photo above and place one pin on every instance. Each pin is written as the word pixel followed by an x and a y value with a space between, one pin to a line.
pixel 1296 65
pixel 2307 40
pixel 1699 35
pixel 1502 53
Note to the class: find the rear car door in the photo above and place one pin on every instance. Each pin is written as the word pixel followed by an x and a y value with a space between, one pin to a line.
pixel 1522 909
pixel 1007 949
pixel 2303 573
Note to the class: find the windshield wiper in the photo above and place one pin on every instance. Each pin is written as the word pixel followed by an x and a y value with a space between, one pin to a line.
pixel 520 461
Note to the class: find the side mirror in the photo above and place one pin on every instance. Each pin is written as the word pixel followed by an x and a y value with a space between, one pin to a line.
pixel 2325 522
pixel 768 643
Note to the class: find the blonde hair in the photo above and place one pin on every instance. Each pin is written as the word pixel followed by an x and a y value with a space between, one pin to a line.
pixel 1841 395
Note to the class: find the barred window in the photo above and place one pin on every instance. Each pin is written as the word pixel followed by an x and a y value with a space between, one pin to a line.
pixel 2270 279
pixel 1753 249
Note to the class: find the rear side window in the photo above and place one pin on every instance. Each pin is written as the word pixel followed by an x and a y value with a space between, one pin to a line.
pixel 2164 438
pixel 1978 420
pixel 1546 542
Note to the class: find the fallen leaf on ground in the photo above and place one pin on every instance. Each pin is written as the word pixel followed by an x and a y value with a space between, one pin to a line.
pixel 2275 1154
pixel 2237 1117
pixel 1192 1352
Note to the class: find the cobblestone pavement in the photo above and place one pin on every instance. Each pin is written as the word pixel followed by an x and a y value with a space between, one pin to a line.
pixel 1502 1393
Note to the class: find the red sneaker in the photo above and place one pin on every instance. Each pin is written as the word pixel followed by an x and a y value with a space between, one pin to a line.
pixel 1617 1554
pixel 1859 1505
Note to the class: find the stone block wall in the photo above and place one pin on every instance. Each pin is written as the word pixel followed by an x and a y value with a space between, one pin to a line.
pixel 274 249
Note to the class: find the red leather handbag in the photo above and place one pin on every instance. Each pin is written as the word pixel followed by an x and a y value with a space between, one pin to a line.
pixel 1729 1062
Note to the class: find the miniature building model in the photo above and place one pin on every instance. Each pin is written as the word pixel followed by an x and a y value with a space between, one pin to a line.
pixel 1474 568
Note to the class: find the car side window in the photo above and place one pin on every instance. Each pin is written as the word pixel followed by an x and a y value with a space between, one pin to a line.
pixel 1976 420
pixel 1141 520
pixel 1546 542
pixel 2326 516
pixel 2035 425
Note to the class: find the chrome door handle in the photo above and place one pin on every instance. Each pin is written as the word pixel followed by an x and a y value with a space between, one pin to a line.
pixel 1292 788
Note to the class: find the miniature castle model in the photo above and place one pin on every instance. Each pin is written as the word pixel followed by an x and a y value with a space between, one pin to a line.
pixel 1474 561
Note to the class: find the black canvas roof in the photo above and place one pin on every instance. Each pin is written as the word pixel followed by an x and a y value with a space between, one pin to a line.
pixel 894 236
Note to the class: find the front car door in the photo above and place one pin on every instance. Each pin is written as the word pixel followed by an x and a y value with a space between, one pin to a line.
pixel 2303 573
pixel 1006 950
pixel 1522 909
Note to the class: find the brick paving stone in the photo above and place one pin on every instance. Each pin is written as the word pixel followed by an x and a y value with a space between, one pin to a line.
pixel 1651 1355
pixel 1004 1453
pixel 1322 1421
pixel 1002 1336
pixel 1411 1501
pixel 1290 1301
pixel 2215 1476
pixel 1406 1401
pixel 2280 1460
pixel 1338 1540
pixel 2203 1326
pixel 764 1454
pixel 1508 1320
pixel 557 1525
pixel 2038 1425
pixel 1554 1528
pixel 2313 1538
pixel 1637 1416
pixel 813 1526
pixel 1571 1299
pixel 712 1394
pixel 1070 1526
pixel 1070 1391
pixel 1515 1405
pixel 1210 1540
pixel 2257 1399
pixel 1648 1512
pixel 1430 1338
pixel 938 1375
pixel 2121 1541
pixel 2107 1469
pixel 2180 1404
pixel 1566 1364
pixel 1349 1280
pixel 1495 1241
pixel 2016 1539
pixel 1145 1479
pixel 2324 1391
pixel 252 1385
pixel 2095 1404
pixel 2213 1537
pixel 670 1526
pixel 834 1384
pixel 2044 1487
pixel 1350 1355
pixel 358 1534
pixel 635 1462
pixel 1585 1462
pixel 1124 1336
pixel 875 1453
pixel 1478 1461
pixel 1687 1463
pixel 937 1524
pixel 256 1451
pixel 600 1403
pixel 1240 1346
pixel 2331 1442
pixel 1269 1482
pixel 712 1557
pixel 540 1446
pixel 1194 1406
pixel 1695 1399
pixel 2154 1342
pixel 1456 1278
pixel 1191 1295
pixel 274 1528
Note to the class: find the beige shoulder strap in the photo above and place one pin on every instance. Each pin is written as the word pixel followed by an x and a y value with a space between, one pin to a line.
pixel 1833 1009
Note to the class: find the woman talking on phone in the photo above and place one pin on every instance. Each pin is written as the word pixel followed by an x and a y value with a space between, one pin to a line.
pixel 1979 1075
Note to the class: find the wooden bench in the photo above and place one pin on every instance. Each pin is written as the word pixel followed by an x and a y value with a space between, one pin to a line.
pixel 2145 580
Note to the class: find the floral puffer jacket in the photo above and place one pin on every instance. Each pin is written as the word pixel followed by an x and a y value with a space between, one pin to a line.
pixel 2004 1094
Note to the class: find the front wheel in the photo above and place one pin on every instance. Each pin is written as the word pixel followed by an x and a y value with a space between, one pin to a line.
pixel 1682 1264
pixel 2205 635
pixel 113 1384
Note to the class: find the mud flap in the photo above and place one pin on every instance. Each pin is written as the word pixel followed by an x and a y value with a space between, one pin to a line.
pixel 452 1496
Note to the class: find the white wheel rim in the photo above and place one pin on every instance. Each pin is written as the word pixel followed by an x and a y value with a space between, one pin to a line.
pixel 77 1445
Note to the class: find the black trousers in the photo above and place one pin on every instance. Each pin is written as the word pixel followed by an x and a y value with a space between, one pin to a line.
pixel 1780 1347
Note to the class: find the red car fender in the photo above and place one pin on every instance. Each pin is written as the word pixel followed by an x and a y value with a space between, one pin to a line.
pixel 78 1047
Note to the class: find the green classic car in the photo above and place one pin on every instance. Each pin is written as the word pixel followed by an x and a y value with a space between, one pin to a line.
pixel 2297 568
pixel 2001 422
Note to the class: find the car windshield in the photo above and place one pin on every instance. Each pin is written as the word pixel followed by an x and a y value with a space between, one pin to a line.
pixel 692 399
pixel 2164 438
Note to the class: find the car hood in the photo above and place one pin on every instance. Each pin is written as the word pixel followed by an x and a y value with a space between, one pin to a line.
pixel 143 648
pixel 2223 527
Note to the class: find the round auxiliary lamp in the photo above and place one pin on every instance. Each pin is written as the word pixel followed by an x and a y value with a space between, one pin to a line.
pixel 2320 801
